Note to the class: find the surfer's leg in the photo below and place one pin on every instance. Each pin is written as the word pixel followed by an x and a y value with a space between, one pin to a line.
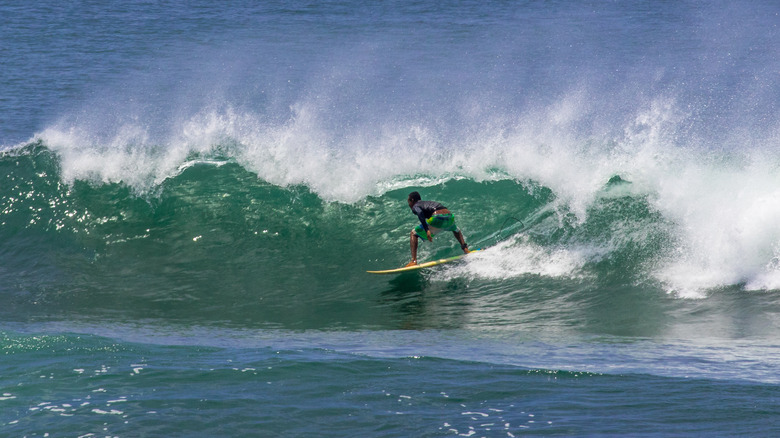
pixel 446 222
pixel 413 246
pixel 463 245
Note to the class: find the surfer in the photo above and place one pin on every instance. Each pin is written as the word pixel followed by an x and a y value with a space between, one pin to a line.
pixel 434 218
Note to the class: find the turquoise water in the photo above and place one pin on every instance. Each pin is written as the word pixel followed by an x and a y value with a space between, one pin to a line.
pixel 190 196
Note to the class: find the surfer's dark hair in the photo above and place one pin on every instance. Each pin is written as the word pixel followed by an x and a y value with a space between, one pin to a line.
pixel 414 196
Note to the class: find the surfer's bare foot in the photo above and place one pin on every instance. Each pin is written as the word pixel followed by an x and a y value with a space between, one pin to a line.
pixel 412 263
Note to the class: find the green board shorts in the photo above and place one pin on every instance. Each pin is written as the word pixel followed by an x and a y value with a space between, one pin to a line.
pixel 437 223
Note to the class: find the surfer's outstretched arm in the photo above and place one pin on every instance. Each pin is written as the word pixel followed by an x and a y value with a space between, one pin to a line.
pixel 463 245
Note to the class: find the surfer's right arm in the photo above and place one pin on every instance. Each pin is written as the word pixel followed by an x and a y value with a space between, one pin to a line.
pixel 421 215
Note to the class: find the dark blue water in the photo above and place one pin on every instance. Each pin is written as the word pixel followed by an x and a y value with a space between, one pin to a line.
pixel 191 193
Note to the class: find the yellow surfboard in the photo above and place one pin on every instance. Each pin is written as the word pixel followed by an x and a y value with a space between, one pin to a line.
pixel 423 265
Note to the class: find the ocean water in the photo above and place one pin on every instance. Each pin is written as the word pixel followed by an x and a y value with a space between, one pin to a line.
pixel 191 193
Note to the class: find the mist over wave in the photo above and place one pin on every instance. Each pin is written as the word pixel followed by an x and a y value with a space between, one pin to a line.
pixel 504 97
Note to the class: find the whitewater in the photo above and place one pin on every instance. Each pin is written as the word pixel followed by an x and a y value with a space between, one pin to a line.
pixel 191 194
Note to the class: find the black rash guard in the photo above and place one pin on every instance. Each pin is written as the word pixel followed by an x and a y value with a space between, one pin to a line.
pixel 424 210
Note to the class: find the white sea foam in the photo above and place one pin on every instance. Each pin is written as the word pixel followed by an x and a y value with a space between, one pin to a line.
pixel 518 257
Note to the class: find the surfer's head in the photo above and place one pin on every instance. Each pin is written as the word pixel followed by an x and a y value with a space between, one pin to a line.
pixel 413 198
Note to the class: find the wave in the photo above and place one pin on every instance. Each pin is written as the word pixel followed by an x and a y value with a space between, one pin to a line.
pixel 182 218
